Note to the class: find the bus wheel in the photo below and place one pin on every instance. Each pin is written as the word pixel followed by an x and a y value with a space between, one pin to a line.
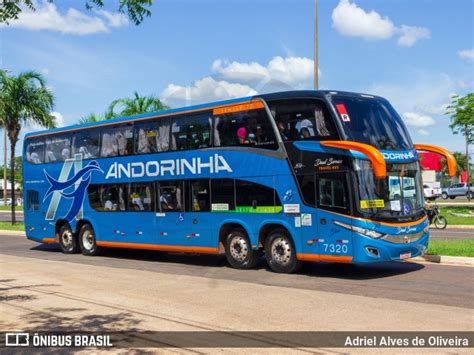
pixel 67 240
pixel 280 252
pixel 238 250
pixel 87 241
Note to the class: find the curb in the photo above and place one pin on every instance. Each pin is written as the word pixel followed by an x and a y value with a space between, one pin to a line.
pixel 6 231
pixel 446 260
pixel 458 226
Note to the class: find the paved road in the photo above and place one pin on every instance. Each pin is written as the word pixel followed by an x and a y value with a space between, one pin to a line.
pixel 5 216
pixel 407 281
pixel 451 233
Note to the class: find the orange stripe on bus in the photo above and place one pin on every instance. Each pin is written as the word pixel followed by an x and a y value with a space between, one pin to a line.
pixel 450 159
pixel 252 103
pixel 238 107
pixel 49 240
pixel 326 258
pixel 171 248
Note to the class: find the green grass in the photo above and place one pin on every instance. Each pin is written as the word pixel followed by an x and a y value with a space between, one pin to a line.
pixel 9 208
pixel 8 226
pixel 453 220
pixel 455 247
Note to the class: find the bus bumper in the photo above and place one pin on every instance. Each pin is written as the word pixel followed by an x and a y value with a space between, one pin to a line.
pixel 377 250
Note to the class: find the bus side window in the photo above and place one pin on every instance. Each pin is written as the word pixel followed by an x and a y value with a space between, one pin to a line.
pixel 35 151
pixel 198 199
pixel 308 188
pixel 86 142
pixel 246 128
pixel 116 141
pixel 108 197
pixel 32 200
pixel 250 194
pixel 58 148
pixel 141 197
pixel 223 194
pixel 152 136
pixel 333 192
pixel 191 132
pixel 171 196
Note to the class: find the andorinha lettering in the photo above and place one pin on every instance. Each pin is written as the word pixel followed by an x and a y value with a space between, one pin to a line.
pixel 169 167
pixel 398 156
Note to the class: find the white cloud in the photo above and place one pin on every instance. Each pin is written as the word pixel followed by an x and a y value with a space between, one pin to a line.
pixel 423 132
pixel 411 34
pixel 466 54
pixel 60 122
pixel 204 90
pixel 292 71
pixel 48 17
pixel 350 20
pixel 417 120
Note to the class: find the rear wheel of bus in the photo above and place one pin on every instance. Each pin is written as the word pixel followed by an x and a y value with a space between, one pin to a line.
pixel 238 250
pixel 67 240
pixel 280 252
pixel 87 241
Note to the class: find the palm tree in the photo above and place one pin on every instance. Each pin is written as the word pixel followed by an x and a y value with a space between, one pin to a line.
pixel 24 99
pixel 91 117
pixel 135 105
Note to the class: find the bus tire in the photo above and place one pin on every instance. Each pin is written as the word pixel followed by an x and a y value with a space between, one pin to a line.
pixel 87 241
pixel 67 240
pixel 238 250
pixel 280 252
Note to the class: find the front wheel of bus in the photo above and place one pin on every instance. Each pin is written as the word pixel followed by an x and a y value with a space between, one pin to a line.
pixel 67 240
pixel 280 252
pixel 238 250
pixel 87 241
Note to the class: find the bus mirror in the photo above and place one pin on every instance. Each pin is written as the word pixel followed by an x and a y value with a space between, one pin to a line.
pixel 374 155
pixel 450 160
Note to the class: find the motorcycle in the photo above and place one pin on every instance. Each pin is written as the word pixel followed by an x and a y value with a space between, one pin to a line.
pixel 440 222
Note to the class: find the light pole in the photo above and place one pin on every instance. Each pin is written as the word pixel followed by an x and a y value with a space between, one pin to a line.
pixel 316 81
pixel 4 165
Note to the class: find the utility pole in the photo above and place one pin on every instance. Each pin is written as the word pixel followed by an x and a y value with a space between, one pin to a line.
pixel 4 165
pixel 466 134
pixel 316 79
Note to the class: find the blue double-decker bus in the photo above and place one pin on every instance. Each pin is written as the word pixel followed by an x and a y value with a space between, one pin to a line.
pixel 295 176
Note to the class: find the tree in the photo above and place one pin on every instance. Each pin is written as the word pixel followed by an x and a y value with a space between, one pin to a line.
pixel 24 99
pixel 92 117
pixel 135 105
pixel 461 164
pixel 136 10
pixel 461 111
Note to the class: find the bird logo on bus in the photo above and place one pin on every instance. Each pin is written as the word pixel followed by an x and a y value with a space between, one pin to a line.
pixel 71 188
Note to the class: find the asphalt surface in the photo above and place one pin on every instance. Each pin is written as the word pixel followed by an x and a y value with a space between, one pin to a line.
pixel 403 281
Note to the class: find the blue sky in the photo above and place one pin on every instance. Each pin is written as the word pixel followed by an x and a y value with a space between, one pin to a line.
pixel 414 52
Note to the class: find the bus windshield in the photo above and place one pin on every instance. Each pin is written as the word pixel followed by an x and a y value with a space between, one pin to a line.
pixel 372 121
pixel 399 194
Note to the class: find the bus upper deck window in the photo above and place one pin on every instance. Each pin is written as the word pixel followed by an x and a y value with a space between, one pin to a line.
pixel 86 142
pixel 191 132
pixel 116 141
pixel 152 136
pixel 58 148
pixel 35 151
pixel 246 128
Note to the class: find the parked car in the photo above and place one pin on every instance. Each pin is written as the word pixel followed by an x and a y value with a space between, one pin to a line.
pixel 456 190
pixel 2 202
pixel 431 192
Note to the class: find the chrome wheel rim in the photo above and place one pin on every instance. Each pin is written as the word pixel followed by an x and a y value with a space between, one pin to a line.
pixel 281 251
pixel 88 240
pixel 239 248
pixel 66 238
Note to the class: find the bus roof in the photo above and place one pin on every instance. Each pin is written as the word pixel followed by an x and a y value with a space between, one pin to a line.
pixel 210 105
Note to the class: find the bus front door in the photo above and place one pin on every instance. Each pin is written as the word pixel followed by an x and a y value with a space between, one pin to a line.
pixel 332 195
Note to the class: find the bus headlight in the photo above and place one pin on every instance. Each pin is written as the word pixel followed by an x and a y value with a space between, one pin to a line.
pixel 364 231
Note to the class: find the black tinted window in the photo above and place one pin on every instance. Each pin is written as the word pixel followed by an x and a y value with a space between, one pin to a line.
pixel 108 197
pixel 300 119
pixel 152 136
pixel 32 200
pixel 171 196
pixel 223 194
pixel 116 140
pixel 198 193
pixel 246 128
pixel 191 132
pixel 35 150
pixel 308 188
pixel 332 192
pixel 141 197
pixel 252 194
pixel 372 121
pixel 86 142
pixel 58 148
